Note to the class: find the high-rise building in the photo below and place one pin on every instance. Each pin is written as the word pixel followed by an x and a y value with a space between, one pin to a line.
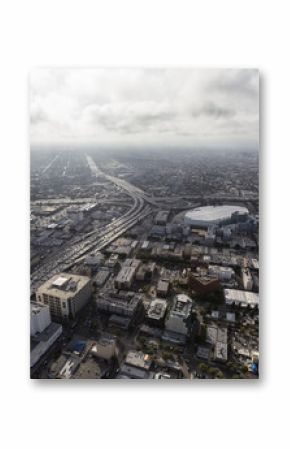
pixel 177 321
pixel 43 332
pixel 65 294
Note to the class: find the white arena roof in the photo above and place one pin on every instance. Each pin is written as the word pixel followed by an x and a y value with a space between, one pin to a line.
pixel 212 214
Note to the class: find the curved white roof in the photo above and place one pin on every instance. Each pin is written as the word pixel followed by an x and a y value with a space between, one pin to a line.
pixel 213 214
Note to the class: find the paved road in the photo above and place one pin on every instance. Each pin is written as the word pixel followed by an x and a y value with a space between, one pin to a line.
pixel 50 164
pixel 95 240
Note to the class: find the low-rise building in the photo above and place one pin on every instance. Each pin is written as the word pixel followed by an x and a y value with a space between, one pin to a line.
pixel 127 274
pixel 122 303
pixel 136 366
pixel 163 287
pixel 145 271
pixel 94 260
pixel 218 338
pixel 202 283
pixel 241 298
pixel 224 274
pixel 105 348
pixel 101 277
pixel 162 217
pixel 138 359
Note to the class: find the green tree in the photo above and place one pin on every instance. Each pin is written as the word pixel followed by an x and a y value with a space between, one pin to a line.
pixel 203 368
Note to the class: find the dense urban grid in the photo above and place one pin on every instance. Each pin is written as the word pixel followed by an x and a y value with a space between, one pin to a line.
pixel 144 264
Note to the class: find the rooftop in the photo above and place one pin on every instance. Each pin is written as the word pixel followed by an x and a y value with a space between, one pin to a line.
pixel 64 285
pixel 241 296
pixel 182 305
pixel 213 213
pixel 138 359
pixel 35 307
pixel 157 309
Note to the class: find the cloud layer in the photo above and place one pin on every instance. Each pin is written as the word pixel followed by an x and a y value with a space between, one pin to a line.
pixel 186 107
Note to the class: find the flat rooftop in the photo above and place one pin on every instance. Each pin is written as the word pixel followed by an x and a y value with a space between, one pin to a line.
pixel 157 309
pixel 36 307
pixel 64 285
pixel 182 305
pixel 241 296
pixel 126 274
pixel 138 359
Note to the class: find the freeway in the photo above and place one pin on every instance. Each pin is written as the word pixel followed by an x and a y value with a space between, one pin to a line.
pixel 131 190
pixel 98 239
pixel 50 164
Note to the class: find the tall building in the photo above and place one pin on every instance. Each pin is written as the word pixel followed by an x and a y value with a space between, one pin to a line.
pixel 39 318
pixel 43 332
pixel 65 294
pixel 177 320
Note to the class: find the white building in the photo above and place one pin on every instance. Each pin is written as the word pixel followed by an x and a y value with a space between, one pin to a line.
pixel 42 331
pixel 65 293
pixel 241 298
pixel 209 215
pixel 247 279
pixel 177 321
pixel 39 318
pixel 157 310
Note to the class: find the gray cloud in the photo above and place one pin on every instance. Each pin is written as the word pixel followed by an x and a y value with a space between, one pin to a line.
pixel 213 110
pixel 181 106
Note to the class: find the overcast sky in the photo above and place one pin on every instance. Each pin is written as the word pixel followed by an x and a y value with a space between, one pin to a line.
pixel 145 107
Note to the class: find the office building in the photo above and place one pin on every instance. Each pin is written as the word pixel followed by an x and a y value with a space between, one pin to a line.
pixel 65 294
pixel 156 312
pixel 178 319
pixel 122 303
pixel 127 274
pixel 241 298
pixel 43 332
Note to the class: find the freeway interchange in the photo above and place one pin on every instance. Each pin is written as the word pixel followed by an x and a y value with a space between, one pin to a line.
pixel 72 252
pixel 98 239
